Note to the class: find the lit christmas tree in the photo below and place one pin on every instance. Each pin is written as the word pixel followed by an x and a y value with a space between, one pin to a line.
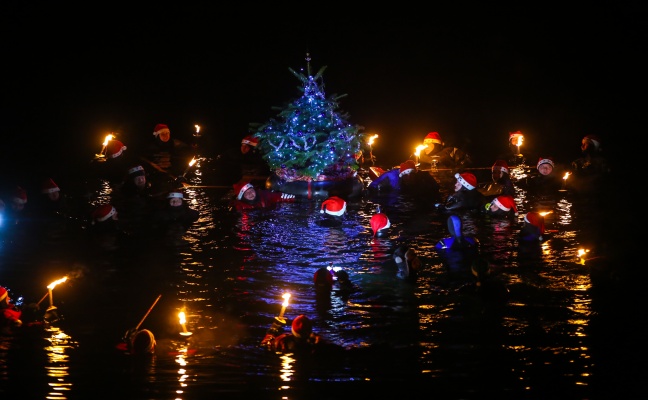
pixel 310 139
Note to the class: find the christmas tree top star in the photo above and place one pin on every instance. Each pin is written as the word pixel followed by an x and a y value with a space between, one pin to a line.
pixel 310 139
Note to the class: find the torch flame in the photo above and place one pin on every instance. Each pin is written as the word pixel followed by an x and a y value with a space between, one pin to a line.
pixel 197 128
pixel 53 284
pixel 108 138
pixel 371 139
pixel 286 297
pixel 566 175
pixel 516 138
pixel 419 148
pixel 183 319
pixel 192 162
pixel 545 213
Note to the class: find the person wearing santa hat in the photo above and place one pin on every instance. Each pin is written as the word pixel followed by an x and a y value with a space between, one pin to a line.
pixel 106 232
pixel 301 340
pixel 546 182
pixel 17 213
pixel 18 199
pixel 390 181
pixel 332 210
pixel 136 198
pixel 113 166
pixel 167 155
pixel 104 215
pixel 501 182
pixel 52 199
pixel 249 197
pixel 408 180
pixel 253 166
pixel 175 213
pixel 434 145
pixel 379 223
pixel 465 195
pixel 533 228
pixel 437 155
pixel 53 208
pixel 245 162
pixel 14 318
pixel 9 314
pixel 501 206
pixel 514 155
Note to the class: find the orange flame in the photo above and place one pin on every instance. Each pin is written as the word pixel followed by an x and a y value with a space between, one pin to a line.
pixel 53 284
pixel 371 139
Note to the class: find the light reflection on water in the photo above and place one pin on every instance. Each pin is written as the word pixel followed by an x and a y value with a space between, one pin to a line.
pixel 229 270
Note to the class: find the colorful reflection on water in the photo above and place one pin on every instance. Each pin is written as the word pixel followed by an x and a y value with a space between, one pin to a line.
pixel 228 272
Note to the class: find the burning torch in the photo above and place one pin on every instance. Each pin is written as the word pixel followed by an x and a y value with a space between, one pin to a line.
pixel 50 313
pixel 516 139
pixel 108 138
pixel 370 143
pixel 279 321
pixel 183 324
pixel 191 163
pixel 564 183
pixel 418 150
pixel 284 305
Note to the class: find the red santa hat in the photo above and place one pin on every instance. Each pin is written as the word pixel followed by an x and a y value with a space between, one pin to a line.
pixel 595 140
pixel 467 180
pixel 302 326
pixel 379 222
pixel 407 167
pixel 240 188
pixel 432 137
pixel 175 195
pixel 115 148
pixel 506 203
pixel 500 165
pixel 545 160
pixel 333 206
pixel 514 137
pixel 3 293
pixel 160 128
pixel 49 186
pixel 536 220
pixel 20 196
pixel 250 141
pixel 103 212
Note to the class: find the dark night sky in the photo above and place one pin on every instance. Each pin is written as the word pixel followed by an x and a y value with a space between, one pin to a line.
pixel 473 75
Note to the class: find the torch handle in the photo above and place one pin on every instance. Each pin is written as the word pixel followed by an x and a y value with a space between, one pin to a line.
pixel 147 313
pixel 44 297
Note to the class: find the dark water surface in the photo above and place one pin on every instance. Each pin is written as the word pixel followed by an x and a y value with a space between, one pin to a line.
pixel 569 328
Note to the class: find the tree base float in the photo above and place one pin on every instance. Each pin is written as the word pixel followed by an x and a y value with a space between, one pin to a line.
pixel 346 185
